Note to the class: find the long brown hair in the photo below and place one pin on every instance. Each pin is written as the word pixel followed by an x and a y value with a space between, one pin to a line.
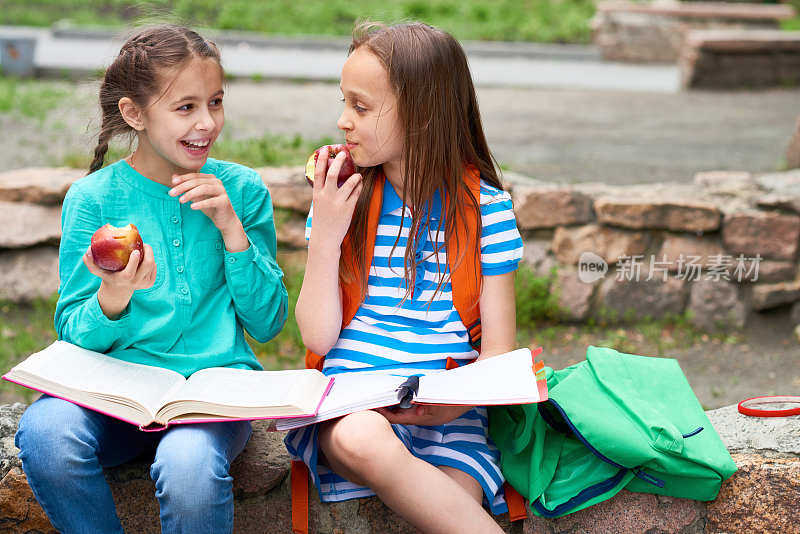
pixel 138 73
pixel 438 110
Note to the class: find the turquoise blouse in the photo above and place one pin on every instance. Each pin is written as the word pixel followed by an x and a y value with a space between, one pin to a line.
pixel 203 296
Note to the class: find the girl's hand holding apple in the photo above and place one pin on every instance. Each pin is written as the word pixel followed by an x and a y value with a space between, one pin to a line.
pixel 333 205
pixel 116 288
pixel 139 273
pixel 346 170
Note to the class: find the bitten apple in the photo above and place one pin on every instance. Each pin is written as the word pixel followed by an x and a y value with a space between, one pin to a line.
pixel 347 170
pixel 112 246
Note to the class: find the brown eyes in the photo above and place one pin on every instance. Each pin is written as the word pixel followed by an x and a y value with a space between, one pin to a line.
pixel 188 107
pixel 356 107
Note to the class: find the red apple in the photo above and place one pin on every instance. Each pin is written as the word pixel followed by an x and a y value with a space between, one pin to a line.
pixel 347 170
pixel 112 246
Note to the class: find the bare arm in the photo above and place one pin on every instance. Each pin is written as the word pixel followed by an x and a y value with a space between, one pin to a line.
pixel 319 305
pixel 498 315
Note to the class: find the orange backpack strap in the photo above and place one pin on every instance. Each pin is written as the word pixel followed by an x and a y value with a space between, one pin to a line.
pixel 314 361
pixel 465 275
pixel 299 479
pixel 450 363
pixel 515 502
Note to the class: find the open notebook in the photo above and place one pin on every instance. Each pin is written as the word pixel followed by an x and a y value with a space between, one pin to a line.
pixel 511 378
pixel 153 398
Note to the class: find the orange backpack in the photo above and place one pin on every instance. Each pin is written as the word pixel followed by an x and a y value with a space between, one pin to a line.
pixel 465 278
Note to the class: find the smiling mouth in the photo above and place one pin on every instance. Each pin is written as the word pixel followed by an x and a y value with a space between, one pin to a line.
pixel 196 144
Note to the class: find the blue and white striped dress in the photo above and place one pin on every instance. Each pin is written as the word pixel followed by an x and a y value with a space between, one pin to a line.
pixel 411 338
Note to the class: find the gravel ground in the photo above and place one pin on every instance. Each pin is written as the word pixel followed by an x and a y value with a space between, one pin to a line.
pixel 576 136
pixel 555 135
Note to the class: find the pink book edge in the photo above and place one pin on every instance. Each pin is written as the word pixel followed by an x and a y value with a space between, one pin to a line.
pixel 176 421
pixel 72 401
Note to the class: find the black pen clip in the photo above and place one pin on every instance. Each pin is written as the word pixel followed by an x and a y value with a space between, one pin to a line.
pixel 407 391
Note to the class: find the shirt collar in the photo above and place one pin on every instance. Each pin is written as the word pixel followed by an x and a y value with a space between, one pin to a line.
pixel 141 182
pixel 392 201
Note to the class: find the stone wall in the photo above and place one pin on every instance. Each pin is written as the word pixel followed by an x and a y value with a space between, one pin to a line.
pixel 654 32
pixel 719 248
pixel 793 150
pixel 30 229
pixel 722 59
pixel 760 497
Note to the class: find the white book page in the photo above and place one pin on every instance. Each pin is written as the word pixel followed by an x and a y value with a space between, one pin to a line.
pixel 503 379
pixel 352 392
pixel 226 386
pixel 358 389
pixel 79 369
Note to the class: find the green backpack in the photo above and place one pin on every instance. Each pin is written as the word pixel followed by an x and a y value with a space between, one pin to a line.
pixel 612 421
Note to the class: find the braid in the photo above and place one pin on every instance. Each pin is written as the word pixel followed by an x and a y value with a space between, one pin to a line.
pixel 100 150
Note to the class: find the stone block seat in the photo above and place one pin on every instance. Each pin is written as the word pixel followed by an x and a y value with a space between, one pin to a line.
pixel 760 497
pixel 654 32
pixel 725 59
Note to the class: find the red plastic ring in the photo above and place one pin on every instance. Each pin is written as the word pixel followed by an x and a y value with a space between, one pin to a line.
pixel 770 399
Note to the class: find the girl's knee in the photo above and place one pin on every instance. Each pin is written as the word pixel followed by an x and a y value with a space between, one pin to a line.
pixel 190 461
pixel 56 444
pixel 52 436
pixel 191 466
pixel 49 418
pixel 189 484
pixel 359 439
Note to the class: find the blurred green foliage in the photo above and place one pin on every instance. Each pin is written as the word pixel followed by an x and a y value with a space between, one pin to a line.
pixel 29 98
pixel 500 20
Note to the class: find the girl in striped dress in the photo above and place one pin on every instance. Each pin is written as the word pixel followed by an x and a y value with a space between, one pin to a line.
pixel 412 126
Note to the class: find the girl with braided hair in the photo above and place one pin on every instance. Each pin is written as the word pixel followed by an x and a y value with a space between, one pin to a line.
pixel 208 272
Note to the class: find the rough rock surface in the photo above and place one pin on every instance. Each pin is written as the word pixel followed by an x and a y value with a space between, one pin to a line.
pixel 793 150
pixel 608 243
pixel 548 207
pixel 574 295
pixel 680 215
pixel 760 497
pixel 28 274
pixel 632 299
pixel 23 224
pixel 771 235
pixel 39 185
pixel 716 305
pixel 766 296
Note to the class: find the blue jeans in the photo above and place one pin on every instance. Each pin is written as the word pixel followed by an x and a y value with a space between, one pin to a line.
pixel 64 449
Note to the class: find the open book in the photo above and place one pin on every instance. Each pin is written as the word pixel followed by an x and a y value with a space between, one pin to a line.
pixel 511 378
pixel 153 398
